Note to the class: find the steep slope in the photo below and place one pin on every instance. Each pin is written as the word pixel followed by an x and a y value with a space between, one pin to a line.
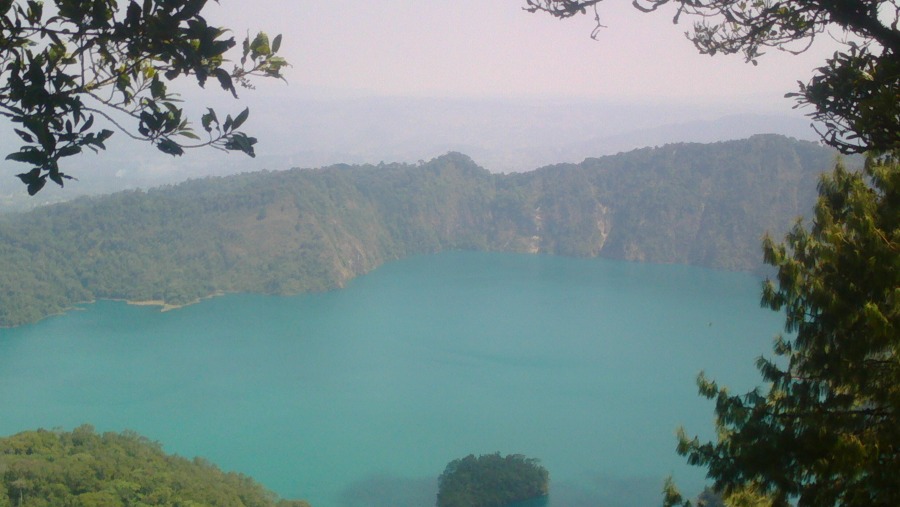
pixel 307 230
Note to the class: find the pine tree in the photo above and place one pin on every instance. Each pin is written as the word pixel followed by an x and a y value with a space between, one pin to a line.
pixel 825 430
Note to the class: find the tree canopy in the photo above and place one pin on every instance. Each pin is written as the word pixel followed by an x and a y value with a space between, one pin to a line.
pixel 64 65
pixel 491 480
pixel 87 469
pixel 854 94
pixel 825 432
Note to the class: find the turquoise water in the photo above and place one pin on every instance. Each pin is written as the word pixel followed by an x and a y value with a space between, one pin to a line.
pixel 360 397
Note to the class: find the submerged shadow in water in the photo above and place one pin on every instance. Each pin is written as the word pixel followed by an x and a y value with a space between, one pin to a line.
pixel 389 491
pixel 628 492
pixel 606 492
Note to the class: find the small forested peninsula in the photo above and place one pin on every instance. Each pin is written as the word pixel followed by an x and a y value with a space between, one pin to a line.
pixel 309 230
pixel 52 468
pixel 491 480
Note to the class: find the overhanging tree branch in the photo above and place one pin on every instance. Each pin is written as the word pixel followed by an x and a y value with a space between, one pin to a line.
pixel 854 97
pixel 122 59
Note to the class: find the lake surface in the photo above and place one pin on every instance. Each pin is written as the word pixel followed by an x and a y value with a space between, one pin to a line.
pixel 360 397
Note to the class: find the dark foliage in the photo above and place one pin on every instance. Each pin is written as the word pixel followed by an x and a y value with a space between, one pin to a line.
pixel 491 480
pixel 824 432
pixel 62 70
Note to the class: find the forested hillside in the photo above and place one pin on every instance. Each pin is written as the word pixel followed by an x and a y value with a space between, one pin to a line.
pixel 54 468
pixel 308 230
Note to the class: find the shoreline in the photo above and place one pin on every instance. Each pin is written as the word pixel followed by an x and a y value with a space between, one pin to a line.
pixel 164 306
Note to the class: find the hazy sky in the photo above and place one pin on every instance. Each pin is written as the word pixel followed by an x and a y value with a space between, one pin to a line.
pixel 403 80
pixel 478 48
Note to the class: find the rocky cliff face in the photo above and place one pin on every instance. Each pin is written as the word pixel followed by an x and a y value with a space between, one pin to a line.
pixel 707 205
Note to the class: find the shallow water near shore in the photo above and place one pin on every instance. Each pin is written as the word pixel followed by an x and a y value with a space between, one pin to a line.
pixel 361 396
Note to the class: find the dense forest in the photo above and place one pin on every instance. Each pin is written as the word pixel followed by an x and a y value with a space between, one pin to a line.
pixel 83 468
pixel 491 480
pixel 315 229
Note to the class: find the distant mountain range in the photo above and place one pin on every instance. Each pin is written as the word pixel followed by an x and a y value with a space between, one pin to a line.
pixel 503 135
pixel 306 230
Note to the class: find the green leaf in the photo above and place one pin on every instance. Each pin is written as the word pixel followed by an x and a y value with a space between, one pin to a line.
pixel 36 187
pixel 31 176
pixel 35 10
pixel 39 128
pixel 170 147
pixel 208 119
pixel 157 88
pixel 225 80
pixel 58 177
pixel 260 46
pixel 91 140
pixel 88 124
pixel 276 43
pixel 133 14
pixel 28 156
pixel 147 120
pixel 240 119
pixel 67 151
pixel 246 50
pixel 240 142
pixel 25 136
pixel 175 110
pixel 33 180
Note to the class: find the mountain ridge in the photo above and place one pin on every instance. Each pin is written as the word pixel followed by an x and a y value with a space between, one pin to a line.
pixel 298 230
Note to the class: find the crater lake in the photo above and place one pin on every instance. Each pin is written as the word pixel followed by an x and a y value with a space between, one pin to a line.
pixel 361 396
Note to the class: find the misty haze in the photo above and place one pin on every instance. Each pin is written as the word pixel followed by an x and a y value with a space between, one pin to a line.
pixel 532 253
